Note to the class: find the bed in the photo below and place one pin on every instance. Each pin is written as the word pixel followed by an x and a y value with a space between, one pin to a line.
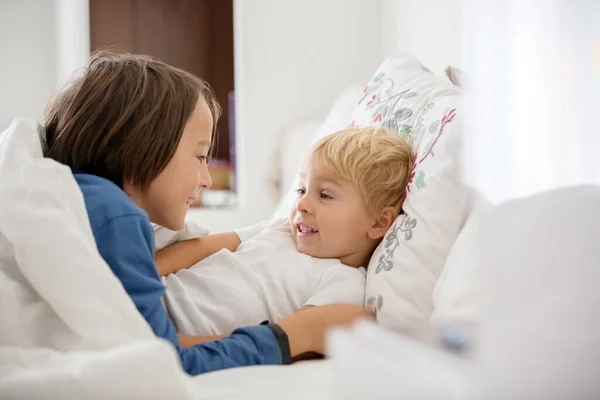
pixel 72 332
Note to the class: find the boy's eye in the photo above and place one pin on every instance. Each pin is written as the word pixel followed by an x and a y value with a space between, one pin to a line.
pixel 324 196
pixel 300 191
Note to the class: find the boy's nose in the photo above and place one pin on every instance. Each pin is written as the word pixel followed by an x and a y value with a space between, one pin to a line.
pixel 205 179
pixel 303 205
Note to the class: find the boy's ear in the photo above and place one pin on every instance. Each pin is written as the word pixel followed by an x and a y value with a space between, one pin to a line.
pixel 383 221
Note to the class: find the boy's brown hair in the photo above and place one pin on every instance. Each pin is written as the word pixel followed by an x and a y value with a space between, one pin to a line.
pixel 123 117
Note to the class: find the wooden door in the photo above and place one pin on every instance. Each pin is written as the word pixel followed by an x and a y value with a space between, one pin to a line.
pixel 195 35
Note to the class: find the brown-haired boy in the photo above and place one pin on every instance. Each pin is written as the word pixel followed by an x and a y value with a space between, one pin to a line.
pixel 137 134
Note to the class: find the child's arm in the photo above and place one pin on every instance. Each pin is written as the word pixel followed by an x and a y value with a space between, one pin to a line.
pixel 126 246
pixel 189 341
pixel 184 254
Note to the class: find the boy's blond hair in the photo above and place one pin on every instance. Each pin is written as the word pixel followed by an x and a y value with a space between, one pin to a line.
pixel 376 161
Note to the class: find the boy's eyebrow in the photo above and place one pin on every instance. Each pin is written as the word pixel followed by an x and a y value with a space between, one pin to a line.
pixel 328 179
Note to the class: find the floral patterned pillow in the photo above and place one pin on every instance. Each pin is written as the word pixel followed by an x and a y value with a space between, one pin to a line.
pixel 425 110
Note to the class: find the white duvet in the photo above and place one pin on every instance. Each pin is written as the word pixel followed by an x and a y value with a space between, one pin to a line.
pixel 68 330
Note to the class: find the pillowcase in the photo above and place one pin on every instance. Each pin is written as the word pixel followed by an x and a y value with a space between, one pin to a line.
pixel 404 97
pixel 456 76
pixel 455 294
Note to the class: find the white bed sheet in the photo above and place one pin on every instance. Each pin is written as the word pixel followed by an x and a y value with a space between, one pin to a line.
pixel 306 380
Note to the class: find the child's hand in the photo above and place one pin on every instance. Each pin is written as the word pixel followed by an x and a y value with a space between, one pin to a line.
pixel 306 329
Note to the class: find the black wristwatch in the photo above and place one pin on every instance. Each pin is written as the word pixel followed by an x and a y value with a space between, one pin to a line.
pixel 282 340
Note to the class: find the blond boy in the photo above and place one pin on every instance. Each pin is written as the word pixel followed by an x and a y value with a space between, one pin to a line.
pixel 350 191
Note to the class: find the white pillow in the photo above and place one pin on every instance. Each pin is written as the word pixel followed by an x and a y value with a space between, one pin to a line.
pixel 405 97
pixel 456 76
pixel 540 305
pixel 455 294
pixel 337 119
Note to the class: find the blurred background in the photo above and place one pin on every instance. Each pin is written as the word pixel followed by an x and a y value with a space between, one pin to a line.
pixel 279 66
pixel 274 64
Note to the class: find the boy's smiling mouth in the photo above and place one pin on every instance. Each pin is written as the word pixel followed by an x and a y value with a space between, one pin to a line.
pixel 190 200
pixel 305 230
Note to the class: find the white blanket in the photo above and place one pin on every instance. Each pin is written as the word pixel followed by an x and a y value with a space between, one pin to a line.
pixel 68 330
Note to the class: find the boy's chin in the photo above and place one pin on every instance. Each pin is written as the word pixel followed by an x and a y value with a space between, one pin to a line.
pixel 309 251
pixel 174 223
pixel 303 249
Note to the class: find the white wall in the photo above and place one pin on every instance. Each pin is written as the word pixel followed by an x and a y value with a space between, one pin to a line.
pixel 430 30
pixel 27 58
pixel 72 37
pixel 293 58
pixel 41 43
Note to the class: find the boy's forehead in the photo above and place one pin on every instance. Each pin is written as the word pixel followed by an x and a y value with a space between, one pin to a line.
pixel 199 126
pixel 318 169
